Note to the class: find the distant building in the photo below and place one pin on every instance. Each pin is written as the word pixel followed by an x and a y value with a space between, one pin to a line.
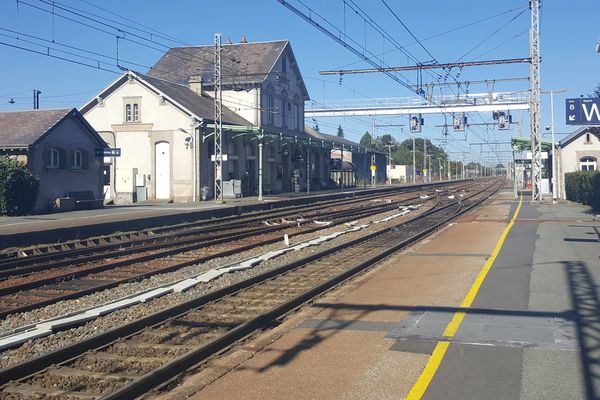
pixel 580 151
pixel 400 173
pixel 351 163
pixel 59 148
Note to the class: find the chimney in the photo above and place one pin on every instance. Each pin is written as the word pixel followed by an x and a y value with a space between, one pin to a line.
pixel 195 84
pixel 243 39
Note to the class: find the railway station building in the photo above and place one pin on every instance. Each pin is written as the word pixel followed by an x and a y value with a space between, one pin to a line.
pixel 163 123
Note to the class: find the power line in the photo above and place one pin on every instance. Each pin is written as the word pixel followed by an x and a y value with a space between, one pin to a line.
pixel 491 35
pixel 124 33
pixel 445 32
pixel 408 30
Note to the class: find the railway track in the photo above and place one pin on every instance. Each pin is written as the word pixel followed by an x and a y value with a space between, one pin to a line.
pixel 10 258
pixel 127 361
pixel 28 287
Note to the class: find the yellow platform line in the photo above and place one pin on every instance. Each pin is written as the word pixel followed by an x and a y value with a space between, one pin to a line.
pixel 419 388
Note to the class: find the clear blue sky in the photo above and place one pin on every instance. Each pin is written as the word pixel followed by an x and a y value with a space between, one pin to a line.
pixel 570 31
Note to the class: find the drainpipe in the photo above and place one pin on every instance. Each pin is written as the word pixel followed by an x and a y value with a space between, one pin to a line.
pixel 195 131
pixel 308 167
pixel 260 166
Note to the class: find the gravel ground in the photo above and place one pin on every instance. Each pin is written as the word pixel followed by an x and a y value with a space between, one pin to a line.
pixel 46 344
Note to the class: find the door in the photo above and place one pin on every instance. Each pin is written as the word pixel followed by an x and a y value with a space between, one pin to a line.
pixel 163 171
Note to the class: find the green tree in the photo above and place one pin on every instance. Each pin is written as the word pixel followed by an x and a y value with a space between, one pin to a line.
pixel 18 187
pixel 340 131
pixel 387 139
pixel 366 140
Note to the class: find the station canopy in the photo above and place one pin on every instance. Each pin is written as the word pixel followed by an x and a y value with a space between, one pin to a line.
pixel 523 144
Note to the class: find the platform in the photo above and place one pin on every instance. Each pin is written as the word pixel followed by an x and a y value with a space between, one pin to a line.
pixel 483 309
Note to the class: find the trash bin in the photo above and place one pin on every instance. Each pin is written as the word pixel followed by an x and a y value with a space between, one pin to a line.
pixel 204 193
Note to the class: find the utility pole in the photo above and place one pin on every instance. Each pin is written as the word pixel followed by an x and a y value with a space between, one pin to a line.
pixel 342 167
pixel 389 146
pixel 36 99
pixel 440 169
pixel 449 171
pixel 425 172
pixel 260 165
pixel 218 121
pixel 414 163
pixel 535 119
pixel 373 172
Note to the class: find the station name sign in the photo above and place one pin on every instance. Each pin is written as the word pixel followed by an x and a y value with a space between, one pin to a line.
pixel 583 111
pixel 108 152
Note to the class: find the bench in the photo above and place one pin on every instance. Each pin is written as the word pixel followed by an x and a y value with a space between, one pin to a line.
pixel 85 200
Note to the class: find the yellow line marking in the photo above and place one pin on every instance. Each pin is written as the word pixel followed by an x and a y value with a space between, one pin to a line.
pixel 427 375
pixel 419 388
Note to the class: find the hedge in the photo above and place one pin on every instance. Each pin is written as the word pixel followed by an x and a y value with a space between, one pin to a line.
pixel 584 187
pixel 18 187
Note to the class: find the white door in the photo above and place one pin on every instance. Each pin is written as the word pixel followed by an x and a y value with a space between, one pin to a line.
pixel 163 171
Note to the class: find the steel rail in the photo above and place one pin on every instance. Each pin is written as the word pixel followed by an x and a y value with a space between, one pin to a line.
pixel 168 370
pixel 352 214
pixel 150 235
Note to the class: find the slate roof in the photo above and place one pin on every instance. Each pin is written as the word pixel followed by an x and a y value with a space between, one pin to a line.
pixel 240 62
pixel 22 128
pixel 201 106
pixel 330 138
pixel 565 141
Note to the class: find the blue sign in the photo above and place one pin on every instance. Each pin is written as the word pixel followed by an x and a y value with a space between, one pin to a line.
pixel 108 152
pixel 583 111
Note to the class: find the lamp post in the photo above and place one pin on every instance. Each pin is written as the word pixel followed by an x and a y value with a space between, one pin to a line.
pixel 554 193
pixel 389 146
pixel 414 163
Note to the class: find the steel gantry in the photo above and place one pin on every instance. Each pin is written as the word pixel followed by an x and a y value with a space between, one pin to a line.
pixel 535 118
pixel 218 151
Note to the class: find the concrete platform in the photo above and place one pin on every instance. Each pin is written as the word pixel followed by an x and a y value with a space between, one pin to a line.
pixel 532 331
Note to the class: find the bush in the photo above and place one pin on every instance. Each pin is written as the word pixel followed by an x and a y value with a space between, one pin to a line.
pixel 584 187
pixel 18 187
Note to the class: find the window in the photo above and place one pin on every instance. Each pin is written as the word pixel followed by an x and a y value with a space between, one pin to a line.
pixel 587 164
pixel 270 107
pixel 270 104
pixel 53 158
pixel 283 64
pixel 284 113
pixel 76 159
pixel 588 138
pixel 299 116
pixel 132 112
pixel 132 109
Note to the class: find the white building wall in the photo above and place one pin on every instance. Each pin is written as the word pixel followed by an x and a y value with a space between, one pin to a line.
pixel 399 173
pixel 159 121
pixel 573 152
